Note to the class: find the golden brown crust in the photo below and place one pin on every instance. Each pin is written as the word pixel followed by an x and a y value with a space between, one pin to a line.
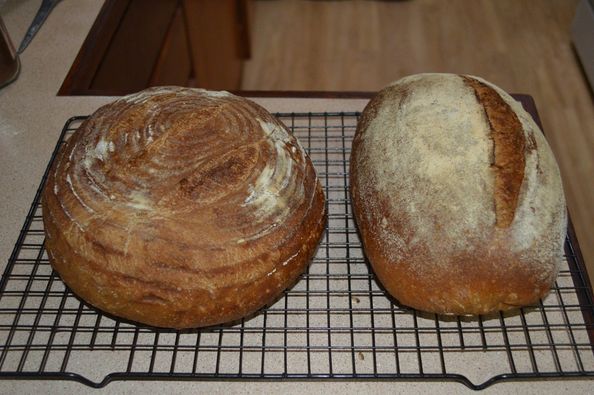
pixel 509 144
pixel 423 189
pixel 182 208
pixel 483 281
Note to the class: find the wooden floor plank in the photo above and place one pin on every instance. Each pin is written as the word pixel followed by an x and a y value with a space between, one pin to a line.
pixel 524 46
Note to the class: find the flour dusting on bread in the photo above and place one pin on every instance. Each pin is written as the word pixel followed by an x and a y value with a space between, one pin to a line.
pixel 426 156
pixel 457 195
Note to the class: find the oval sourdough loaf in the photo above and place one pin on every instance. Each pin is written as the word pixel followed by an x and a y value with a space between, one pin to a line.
pixel 457 196
pixel 182 208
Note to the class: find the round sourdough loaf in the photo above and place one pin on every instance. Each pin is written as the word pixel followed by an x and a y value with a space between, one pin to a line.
pixel 181 208
pixel 457 196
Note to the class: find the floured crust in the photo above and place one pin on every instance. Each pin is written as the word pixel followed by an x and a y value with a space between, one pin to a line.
pixel 450 222
pixel 182 208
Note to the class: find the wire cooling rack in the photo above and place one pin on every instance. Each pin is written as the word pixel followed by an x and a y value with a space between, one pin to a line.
pixel 336 323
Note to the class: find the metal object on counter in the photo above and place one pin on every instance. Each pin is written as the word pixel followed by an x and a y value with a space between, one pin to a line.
pixel 44 10
pixel 10 64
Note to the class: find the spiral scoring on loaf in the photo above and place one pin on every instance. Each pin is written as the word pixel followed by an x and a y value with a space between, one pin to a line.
pixel 168 164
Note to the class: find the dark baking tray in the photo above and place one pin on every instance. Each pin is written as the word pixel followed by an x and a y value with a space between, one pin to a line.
pixel 336 323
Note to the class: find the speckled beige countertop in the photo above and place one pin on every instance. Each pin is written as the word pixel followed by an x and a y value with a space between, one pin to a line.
pixel 31 118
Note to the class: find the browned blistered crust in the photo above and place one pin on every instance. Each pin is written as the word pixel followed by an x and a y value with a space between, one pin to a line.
pixel 200 255
pixel 509 144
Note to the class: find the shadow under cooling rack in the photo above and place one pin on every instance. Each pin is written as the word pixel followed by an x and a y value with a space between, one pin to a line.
pixel 336 323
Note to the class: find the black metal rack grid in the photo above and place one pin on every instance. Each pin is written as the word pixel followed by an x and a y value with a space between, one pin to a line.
pixel 336 323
